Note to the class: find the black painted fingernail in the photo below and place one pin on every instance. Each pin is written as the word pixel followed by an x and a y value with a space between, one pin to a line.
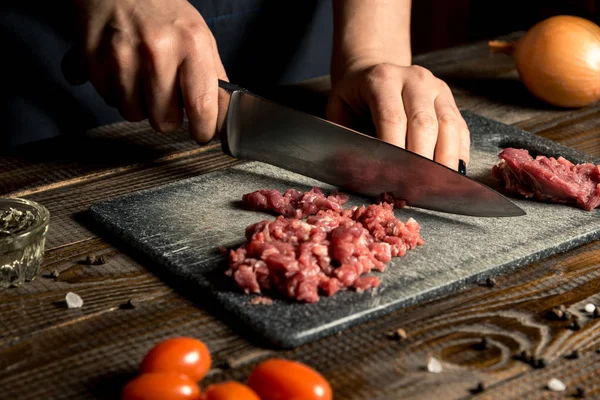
pixel 462 167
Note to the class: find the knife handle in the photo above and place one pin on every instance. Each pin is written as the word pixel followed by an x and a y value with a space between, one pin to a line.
pixel 230 87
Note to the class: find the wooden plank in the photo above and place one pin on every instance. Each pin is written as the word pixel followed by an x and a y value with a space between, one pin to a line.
pixel 578 374
pixel 91 352
pixel 46 345
pixel 580 129
pixel 99 151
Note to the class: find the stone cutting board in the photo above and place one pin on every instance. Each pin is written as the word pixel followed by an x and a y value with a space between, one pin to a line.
pixel 180 226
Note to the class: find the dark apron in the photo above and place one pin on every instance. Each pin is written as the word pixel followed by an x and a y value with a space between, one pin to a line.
pixel 262 43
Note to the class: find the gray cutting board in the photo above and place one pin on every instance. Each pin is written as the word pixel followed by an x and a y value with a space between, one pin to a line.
pixel 180 226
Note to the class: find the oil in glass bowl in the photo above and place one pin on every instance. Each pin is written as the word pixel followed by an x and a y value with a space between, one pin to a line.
pixel 23 228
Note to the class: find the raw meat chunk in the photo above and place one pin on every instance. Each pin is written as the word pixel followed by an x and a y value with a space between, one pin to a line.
pixel 548 179
pixel 293 203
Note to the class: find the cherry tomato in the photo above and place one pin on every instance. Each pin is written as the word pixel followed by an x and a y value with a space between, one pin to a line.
pixel 185 355
pixel 230 390
pixel 280 379
pixel 161 386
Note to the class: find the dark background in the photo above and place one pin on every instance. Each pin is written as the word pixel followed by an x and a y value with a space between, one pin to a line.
pixel 263 44
pixel 444 23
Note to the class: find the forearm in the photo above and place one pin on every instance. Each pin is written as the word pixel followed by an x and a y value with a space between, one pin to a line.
pixel 370 32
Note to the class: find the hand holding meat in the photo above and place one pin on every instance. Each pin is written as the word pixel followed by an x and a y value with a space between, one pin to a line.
pixel 150 58
pixel 409 107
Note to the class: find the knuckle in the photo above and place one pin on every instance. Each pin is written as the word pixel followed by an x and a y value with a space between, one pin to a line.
pixel 448 121
pixel 423 120
pixel 121 51
pixel 382 72
pixel 444 89
pixel 444 86
pixel 392 116
pixel 194 35
pixel 421 72
pixel 157 44
pixel 203 103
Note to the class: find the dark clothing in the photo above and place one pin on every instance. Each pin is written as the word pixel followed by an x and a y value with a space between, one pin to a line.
pixel 262 43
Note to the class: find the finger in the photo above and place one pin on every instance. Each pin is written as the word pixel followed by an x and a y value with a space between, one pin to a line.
pixel 223 96
pixel 464 133
pixel 161 87
pixel 447 148
pixel 465 143
pixel 101 73
pixel 422 130
pixel 127 80
pixel 464 152
pixel 74 67
pixel 389 116
pixel 199 87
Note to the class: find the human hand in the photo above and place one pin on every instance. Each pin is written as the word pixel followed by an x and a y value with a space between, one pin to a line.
pixel 150 58
pixel 409 108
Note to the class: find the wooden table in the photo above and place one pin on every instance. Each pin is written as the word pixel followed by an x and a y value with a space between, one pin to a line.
pixel 49 351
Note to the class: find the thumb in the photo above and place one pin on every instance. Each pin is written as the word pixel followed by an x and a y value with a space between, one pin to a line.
pixel 74 67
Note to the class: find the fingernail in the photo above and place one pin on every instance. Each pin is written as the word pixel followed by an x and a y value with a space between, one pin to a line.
pixel 462 167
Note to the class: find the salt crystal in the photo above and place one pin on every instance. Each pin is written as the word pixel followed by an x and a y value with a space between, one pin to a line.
pixel 73 300
pixel 434 365
pixel 590 308
pixel 556 386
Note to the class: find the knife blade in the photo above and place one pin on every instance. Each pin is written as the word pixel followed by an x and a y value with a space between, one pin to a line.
pixel 258 129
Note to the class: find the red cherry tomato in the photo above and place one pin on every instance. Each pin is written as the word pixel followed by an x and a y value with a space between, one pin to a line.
pixel 229 390
pixel 279 379
pixel 185 355
pixel 161 386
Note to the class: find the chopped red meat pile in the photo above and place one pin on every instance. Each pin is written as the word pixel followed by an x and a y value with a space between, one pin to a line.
pixel 549 179
pixel 330 251
pixel 293 203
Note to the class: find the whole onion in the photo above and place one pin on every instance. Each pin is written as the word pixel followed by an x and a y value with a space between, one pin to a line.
pixel 558 60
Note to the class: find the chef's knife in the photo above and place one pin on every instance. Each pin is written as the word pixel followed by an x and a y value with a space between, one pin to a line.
pixel 260 130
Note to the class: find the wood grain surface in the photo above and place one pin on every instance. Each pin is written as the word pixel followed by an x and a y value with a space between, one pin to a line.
pixel 49 351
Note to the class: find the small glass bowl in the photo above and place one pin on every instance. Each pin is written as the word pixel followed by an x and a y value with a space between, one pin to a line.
pixel 21 253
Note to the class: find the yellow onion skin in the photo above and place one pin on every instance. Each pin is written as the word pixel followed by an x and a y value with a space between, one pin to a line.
pixel 558 60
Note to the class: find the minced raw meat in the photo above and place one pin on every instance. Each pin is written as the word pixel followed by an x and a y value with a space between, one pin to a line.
pixel 332 250
pixel 549 179
pixel 293 203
